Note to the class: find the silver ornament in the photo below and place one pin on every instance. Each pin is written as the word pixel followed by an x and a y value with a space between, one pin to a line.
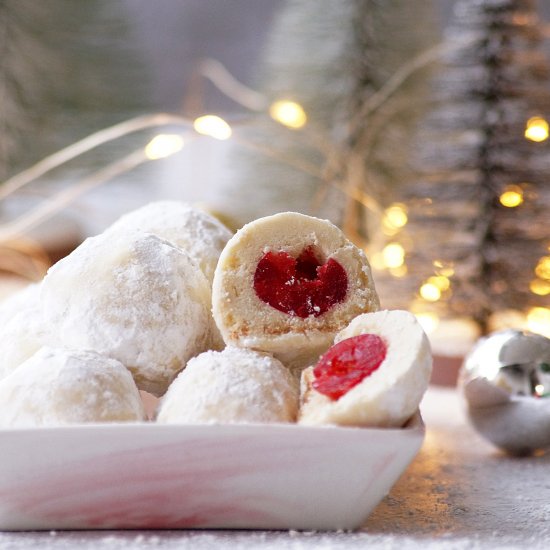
pixel 506 382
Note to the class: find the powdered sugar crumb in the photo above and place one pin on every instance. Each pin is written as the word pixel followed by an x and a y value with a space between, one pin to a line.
pixel 241 540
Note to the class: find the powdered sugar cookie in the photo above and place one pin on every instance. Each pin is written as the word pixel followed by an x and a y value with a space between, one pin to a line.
pixel 26 298
pixel 235 385
pixel 23 335
pixel 132 297
pixel 60 386
pixel 375 374
pixel 287 283
pixel 200 235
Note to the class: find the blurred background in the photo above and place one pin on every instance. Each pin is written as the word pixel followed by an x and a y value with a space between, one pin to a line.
pixel 420 128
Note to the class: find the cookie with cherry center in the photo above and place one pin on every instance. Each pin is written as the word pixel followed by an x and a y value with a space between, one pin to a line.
pixel 374 375
pixel 287 283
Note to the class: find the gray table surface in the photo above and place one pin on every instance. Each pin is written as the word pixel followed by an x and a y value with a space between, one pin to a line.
pixel 458 493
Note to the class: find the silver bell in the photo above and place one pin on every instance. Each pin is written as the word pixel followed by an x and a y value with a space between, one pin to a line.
pixel 506 382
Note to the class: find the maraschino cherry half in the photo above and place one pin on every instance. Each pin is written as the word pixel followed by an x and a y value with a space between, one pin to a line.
pixel 348 363
pixel 301 286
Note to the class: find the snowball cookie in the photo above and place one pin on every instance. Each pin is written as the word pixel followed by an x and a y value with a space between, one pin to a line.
pixel 132 297
pixel 235 385
pixel 374 375
pixel 201 235
pixel 60 386
pixel 287 283
pixel 20 337
pixel 18 301
pixel 22 330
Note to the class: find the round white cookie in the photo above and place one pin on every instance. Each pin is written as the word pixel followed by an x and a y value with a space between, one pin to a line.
pixel 391 394
pixel 132 297
pixel 262 317
pixel 60 386
pixel 21 336
pixel 234 385
pixel 199 234
pixel 26 298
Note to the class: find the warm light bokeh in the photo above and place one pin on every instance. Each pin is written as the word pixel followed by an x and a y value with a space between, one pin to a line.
pixel 163 145
pixel 395 216
pixel 393 255
pixel 430 292
pixel 539 287
pixel 288 113
pixel 428 320
pixel 512 196
pixel 213 126
pixel 537 129
pixel 538 320
pixel 543 268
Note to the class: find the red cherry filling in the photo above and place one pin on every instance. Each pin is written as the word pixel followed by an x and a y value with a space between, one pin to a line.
pixel 300 286
pixel 347 363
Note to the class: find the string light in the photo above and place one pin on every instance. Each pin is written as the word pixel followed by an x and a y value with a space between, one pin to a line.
pixel 445 269
pixel 428 320
pixel 213 126
pixel 539 287
pixel 538 320
pixel 399 272
pixel 288 113
pixel 394 218
pixel 393 255
pixel 512 196
pixel 536 129
pixel 163 145
pixel 440 281
pixel 507 318
pixel 430 292
pixel 543 268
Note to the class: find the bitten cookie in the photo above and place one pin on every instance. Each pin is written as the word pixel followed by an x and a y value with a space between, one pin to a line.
pixel 375 374
pixel 235 385
pixel 286 284
pixel 60 386
pixel 132 297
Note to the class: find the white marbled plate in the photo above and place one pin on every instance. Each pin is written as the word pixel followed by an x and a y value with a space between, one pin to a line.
pixel 206 476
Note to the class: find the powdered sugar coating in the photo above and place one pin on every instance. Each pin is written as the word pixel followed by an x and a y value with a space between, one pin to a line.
pixel 235 385
pixel 132 297
pixel 21 336
pixel 18 301
pixel 199 234
pixel 60 386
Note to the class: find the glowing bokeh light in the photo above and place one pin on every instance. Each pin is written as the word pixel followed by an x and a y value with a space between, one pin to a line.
pixel 395 216
pixel 428 320
pixel 163 145
pixel 393 255
pixel 288 113
pixel 539 287
pixel 512 196
pixel 543 268
pixel 430 292
pixel 213 126
pixel 538 320
pixel 536 129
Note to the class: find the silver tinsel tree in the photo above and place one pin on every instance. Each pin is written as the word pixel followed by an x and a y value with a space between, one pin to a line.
pixel 334 58
pixel 477 242
pixel 67 68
